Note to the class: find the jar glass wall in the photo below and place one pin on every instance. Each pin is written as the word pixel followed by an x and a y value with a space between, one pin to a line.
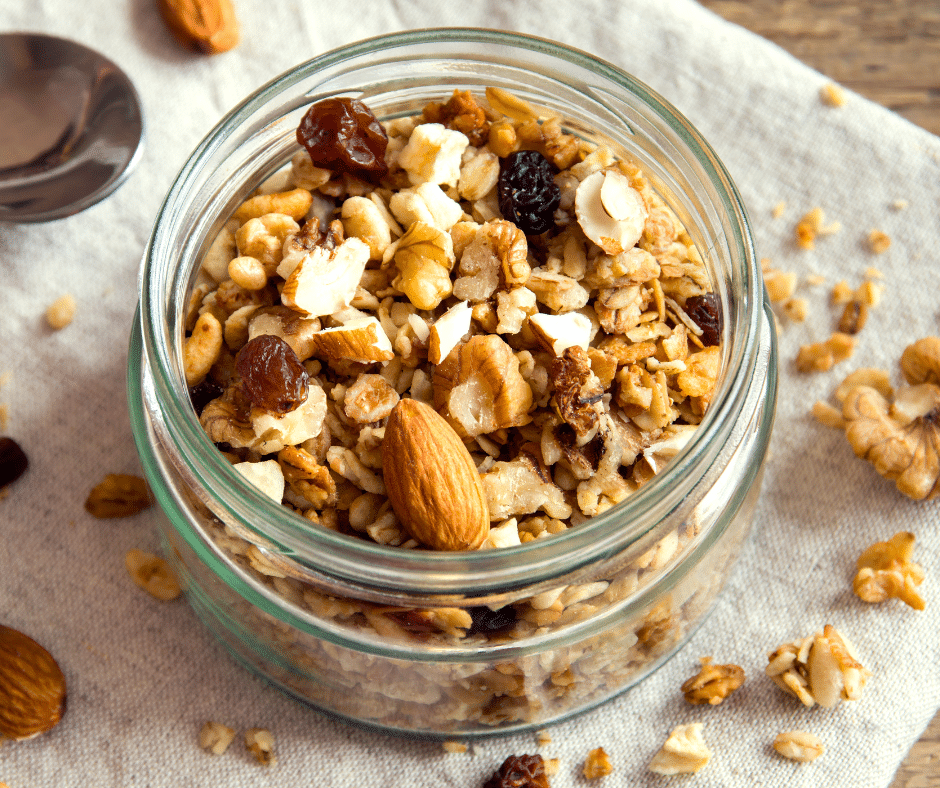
pixel 319 612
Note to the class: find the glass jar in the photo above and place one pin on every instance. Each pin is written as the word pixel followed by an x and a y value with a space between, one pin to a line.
pixel 339 622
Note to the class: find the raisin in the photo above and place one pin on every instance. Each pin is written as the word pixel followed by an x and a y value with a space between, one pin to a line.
pixel 272 375
pixel 486 621
pixel 203 393
pixel 527 192
pixel 342 134
pixel 13 462
pixel 705 310
pixel 520 771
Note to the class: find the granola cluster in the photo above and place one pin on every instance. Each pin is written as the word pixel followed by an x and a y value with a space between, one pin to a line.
pixel 570 361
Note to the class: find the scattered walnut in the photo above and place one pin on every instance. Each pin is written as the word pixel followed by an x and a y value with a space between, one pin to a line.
pixel 684 752
pixel 798 746
pixel 823 356
pixel 519 771
pixel 61 311
pixel 920 361
pixel 796 309
pixel 152 574
pixel 260 743
pixel 216 737
pixel 118 495
pixel 820 669
pixel 901 439
pixel 885 571
pixel 713 683
pixel 832 95
pixel 597 764
pixel 811 226
pixel 878 241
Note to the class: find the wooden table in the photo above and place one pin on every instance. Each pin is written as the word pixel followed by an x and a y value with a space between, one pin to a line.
pixel 889 52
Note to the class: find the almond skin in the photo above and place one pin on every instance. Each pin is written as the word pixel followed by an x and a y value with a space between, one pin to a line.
pixel 207 26
pixel 432 481
pixel 32 687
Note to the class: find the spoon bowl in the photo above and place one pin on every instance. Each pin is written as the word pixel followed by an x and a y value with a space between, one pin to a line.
pixel 70 131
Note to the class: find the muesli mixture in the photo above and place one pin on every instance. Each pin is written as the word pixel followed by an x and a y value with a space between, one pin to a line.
pixel 462 330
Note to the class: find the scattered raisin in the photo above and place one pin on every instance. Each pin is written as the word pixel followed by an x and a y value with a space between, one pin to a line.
pixel 13 462
pixel 527 192
pixel 520 771
pixel 486 621
pixel 705 310
pixel 342 134
pixel 272 375
pixel 203 393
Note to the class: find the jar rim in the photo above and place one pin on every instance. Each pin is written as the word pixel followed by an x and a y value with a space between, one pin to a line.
pixel 392 567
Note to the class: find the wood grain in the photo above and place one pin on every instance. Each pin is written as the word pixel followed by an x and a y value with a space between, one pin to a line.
pixel 889 52
pixel 886 50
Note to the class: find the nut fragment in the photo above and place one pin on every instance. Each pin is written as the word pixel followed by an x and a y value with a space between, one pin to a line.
pixel 920 361
pixel 597 764
pixel 152 574
pixel 216 737
pixel 61 311
pixel 118 495
pixel 713 683
pixel 684 752
pixel 823 356
pixel 885 571
pixel 798 746
pixel 32 687
pixel 432 481
pixel 207 26
pixel 260 743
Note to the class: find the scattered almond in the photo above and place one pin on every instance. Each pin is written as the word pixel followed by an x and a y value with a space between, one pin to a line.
pixel 32 687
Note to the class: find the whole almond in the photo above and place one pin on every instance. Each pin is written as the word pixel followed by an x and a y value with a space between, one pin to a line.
pixel 432 481
pixel 207 26
pixel 32 687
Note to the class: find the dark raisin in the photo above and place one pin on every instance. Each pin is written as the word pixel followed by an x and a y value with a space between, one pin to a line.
pixel 13 462
pixel 520 771
pixel 203 393
pixel 343 135
pixel 486 621
pixel 272 375
pixel 705 311
pixel 527 192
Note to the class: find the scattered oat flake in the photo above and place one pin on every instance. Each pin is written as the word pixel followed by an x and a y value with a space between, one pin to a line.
pixel 778 209
pixel 454 746
pixel 796 309
pixel 597 764
pixel 61 311
pixel 878 241
pixel 900 205
pixel 811 226
pixel 543 738
pixel 832 95
pixel 842 293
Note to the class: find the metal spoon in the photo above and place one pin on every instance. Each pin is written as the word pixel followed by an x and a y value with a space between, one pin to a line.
pixel 70 127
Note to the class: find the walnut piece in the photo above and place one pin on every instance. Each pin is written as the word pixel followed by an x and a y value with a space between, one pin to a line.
pixel 901 439
pixel 118 495
pixel 597 764
pixel 798 746
pixel 260 743
pixel 713 683
pixel 885 571
pixel 820 669
pixel 823 356
pixel 684 752
pixel 920 361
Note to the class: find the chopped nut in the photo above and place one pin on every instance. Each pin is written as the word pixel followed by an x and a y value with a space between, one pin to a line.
pixel 61 311
pixel 811 226
pixel 828 415
pixel 118 495
pixel 610 211
pixel 798 746
pixel 597 764
pixel 267 476
pixel 713 683
pixel 854 317
pixel 920 361
pixel 899 205
pixel 454 746
pixel 152 574
pixel 260 743
pixel 778 210
pixel 833 95
pixel 885 571
pixel 796 309
pixel 684 752
pixel 216 737
pixel 424 256
pixel 780 284
pixel 823 356
pixel 323 281
pixel 878 241
pixel 432 154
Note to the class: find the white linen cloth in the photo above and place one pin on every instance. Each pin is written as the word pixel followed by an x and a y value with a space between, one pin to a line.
pixel 143 676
